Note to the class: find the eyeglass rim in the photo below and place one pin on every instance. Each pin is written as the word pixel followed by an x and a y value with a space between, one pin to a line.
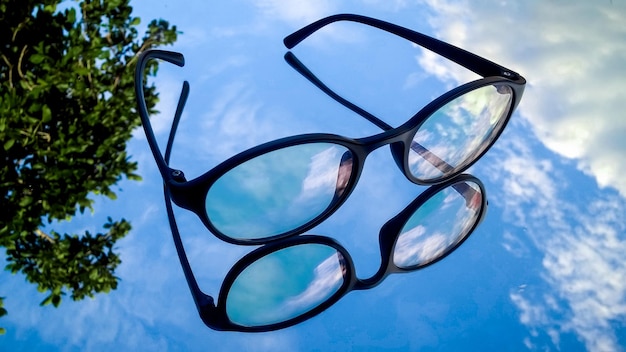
pixel 214 315
pixel 431 108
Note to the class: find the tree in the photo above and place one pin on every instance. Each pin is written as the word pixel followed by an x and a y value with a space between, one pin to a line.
pixel 67 109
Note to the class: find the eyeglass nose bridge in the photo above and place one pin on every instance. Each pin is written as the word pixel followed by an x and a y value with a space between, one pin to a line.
pixel 399 141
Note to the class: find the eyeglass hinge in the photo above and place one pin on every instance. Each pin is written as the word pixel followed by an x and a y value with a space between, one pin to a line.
pixel 509 74
pixel 178 176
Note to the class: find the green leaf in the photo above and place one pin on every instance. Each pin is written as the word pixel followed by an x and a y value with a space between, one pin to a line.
pixel 46 301
pixel 71 15
pixel 3 311
pixel 26 201
pixel 50 8
pixel 37 58
pixel 136 21
pixel 8 144
pixel 46 114
pixel 133 177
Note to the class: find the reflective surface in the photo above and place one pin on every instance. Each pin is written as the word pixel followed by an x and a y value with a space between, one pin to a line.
pixel 545 270
pixel 291 281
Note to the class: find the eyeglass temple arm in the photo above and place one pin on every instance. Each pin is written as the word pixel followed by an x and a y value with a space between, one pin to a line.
pixel 471 196
pixel 463 188
pixel 204 302
pixel 297 65
pixel 462 57
pixel 176 59
pixel 433 159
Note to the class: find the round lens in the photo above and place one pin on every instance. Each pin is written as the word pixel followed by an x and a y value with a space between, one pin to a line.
pixel 459 132
pixel 285 284
pixel 438 225
pixel 279 191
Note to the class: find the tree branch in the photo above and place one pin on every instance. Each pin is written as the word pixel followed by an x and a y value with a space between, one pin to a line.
pixel 6 60
pixel 19 67
pixel 44 236
pixel 17 29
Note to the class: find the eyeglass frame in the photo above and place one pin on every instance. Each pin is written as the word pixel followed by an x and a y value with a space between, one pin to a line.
pixel 191 194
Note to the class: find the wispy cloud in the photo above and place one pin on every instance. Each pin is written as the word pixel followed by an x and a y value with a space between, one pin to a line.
pixel 296 11
pixel 582 246
pixel 235 121
pixel 168 89
pixel 299 13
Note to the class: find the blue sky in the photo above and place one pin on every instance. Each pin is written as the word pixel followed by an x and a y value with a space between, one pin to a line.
pixel 544 271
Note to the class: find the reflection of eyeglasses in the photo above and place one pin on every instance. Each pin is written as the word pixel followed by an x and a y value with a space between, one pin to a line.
pixel 288 186
pixel 286 282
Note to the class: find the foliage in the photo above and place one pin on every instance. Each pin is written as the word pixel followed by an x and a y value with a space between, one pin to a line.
pixel 67 109
pixel 2 313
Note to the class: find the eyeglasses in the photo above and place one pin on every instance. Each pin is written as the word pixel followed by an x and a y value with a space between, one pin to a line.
pixel 286 282
pixel 288 186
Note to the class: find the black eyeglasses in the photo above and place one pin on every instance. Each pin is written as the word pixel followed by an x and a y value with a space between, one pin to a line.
pixel 288 186
pixel 286 282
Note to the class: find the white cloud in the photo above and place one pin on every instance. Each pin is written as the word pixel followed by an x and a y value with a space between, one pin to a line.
pixel 571 53
pixel 232 122
pixel 231 119
pixel 529 313
pixel 582 245
pixel 296 11
pixel 387 5
pixel 169 92
pixel 515 245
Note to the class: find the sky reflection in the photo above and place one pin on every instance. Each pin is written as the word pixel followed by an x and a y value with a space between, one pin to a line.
pixel 544 271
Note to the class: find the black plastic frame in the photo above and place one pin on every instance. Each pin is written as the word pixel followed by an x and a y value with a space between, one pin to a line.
pixel 215 316
pixel 191 194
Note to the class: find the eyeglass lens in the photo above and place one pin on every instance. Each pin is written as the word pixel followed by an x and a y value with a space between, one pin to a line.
pixel 285 284
pixel 458 132
pixel 278 191
pixel 292 281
